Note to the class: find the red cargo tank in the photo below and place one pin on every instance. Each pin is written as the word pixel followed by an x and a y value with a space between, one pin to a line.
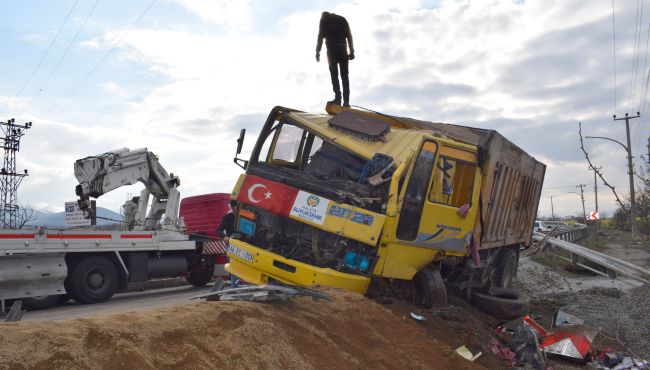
pixel 202 215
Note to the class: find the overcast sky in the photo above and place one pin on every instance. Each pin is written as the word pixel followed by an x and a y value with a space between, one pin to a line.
pixel 181 77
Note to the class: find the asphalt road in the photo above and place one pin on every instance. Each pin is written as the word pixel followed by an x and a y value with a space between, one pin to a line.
pixel 123 302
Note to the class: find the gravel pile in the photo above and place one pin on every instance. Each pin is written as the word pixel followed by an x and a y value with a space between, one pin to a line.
pixel 636 305
pixel 619 309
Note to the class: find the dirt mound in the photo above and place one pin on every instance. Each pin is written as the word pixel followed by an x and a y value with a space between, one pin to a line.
pixel 348 332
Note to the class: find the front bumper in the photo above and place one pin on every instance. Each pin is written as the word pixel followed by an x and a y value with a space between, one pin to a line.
pixel 267 265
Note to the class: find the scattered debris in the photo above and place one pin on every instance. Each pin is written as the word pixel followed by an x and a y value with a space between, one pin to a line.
pixel 571 342
pixel 262 293
pixel 523 337
pixel 608 359
pixel 465 353
pixel 528 344
pixel 418 317
pixel 503 352
pixel 563 318
pixel 525 343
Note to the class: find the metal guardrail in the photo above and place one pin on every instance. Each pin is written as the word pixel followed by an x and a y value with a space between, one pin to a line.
pixel 571 234
pixel 611 266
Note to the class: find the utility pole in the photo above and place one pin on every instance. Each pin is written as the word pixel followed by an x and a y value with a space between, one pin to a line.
pixel 596 169
pixel 630 172
pixel 582 198
pixel 552 212
pixel 9 178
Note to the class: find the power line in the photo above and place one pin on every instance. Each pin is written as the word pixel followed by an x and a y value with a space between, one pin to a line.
pixel 46 51
pixel 642 97
pixel 101 61
pixel 56 67
pixel 635 54
pixel 559 187
pixel 614 58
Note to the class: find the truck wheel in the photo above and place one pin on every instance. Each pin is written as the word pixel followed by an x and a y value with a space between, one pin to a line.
pixel 430 289
pixel 503 303
pixel 93 280
pixel 505 268
pixel 43 301
pixel 199 277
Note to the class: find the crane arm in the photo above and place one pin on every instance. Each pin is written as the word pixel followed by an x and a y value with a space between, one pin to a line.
pixel 102 173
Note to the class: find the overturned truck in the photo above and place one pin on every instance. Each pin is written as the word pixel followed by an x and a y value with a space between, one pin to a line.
pixel 365 201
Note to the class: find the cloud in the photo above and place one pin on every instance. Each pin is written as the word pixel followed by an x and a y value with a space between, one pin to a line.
pixel 529 69
pixel 222 12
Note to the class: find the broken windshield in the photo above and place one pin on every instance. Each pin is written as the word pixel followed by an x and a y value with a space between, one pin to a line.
pixel 290 146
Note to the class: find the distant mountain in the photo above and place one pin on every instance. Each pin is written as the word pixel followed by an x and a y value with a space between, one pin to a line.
pixel 57 220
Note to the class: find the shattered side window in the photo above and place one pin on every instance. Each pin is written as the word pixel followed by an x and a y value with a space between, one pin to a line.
pixel 288 144
pixel 416 192
pixel 315 146
pixel 453 177
pixel 264 152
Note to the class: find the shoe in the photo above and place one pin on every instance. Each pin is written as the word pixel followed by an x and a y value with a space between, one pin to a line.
pixel 346 104
pixel 336 101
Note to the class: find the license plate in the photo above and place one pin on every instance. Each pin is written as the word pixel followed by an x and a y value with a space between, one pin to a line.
pixel 238 252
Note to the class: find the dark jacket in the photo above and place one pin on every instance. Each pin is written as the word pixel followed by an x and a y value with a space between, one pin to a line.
pixel 336 31
pixel 227 225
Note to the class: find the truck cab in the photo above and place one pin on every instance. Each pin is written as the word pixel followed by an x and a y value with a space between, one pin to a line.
pixel 343 199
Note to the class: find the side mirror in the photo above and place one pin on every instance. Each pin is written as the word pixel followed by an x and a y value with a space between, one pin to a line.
pixel 240 141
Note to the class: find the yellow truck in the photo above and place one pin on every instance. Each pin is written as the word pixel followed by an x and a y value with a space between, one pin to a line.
pixel 365 201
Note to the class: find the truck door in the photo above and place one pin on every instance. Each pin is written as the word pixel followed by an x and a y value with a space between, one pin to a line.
pixel 439 206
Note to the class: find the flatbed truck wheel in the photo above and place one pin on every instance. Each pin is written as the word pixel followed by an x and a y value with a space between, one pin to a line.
pixel 41 302
pixel 199 277
pixel 430 288
pixel 93 279
pixel 505 268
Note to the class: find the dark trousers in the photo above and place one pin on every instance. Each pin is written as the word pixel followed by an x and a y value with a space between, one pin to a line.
pixel 338 58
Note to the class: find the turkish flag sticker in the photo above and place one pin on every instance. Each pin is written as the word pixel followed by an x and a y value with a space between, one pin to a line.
pixel 271 196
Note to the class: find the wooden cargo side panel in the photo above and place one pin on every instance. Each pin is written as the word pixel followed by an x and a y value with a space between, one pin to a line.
pixel 511 188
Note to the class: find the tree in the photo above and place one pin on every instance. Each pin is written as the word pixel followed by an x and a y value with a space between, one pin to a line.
pixel 26 214
pixel 642 209
pixel 597 170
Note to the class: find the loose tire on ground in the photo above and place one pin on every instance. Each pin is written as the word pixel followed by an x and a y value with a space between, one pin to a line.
pixel 503 303
pixel 430 289
pixel 94 279
pixel 505 268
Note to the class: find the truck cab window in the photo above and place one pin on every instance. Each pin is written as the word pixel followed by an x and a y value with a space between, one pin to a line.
pixel 266 147
pixel 453 177
pixel 416 190
pixel 291 146
pixel 288 144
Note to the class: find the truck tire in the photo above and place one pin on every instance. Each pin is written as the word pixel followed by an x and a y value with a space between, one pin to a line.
pixel 198 277
pixel 94 279
pixel 430 289
pixel 503 304
pixel 43 301
pixel 505 268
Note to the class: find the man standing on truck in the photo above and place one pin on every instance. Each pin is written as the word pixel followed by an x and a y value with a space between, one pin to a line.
pixel 336 32
pixel 225 230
